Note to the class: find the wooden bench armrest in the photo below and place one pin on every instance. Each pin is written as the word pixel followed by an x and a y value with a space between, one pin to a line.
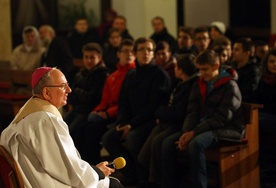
pixel 248 108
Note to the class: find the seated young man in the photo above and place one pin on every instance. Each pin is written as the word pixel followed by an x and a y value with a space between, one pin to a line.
pixel 87 88
pixel 142 92
pixel 169 119
pixel 105 113
pixel 213 114
pixel 249 71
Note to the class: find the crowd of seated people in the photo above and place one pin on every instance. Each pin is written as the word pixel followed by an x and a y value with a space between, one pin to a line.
pixel 88 133
pixel 133 95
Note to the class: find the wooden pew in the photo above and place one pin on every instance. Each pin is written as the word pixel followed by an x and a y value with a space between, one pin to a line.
pixel 14 97
pixel 5 80
pixel 236 165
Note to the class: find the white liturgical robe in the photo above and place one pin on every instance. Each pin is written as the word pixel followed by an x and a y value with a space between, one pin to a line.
pixel 39 141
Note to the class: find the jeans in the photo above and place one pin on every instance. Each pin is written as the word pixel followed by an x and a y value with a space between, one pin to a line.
pixel 195 151
pixel 94 118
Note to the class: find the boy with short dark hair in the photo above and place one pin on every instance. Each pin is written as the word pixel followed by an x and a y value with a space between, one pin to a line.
pixel 249 71
pixel 169 119
pixel 106 111
pixel 165 58
pixel 213 113
pixel 87 87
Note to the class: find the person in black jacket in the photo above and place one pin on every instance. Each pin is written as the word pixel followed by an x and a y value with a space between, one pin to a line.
pixel 213 113
pixel 111 48
pixel 57 52
pixel 81 35
pixel 265 95
pixel 119 23
pixel 143 90
pixel 249 71
pixel 86 88
pixel 169 118
pixel 161 33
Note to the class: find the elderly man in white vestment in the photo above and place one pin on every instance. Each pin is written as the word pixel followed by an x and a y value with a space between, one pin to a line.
pixel 40 143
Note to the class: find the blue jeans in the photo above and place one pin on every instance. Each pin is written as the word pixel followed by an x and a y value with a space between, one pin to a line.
pixel 195 151
pixel 94 118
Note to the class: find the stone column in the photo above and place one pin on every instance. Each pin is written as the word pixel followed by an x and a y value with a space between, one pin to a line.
pixel 5 30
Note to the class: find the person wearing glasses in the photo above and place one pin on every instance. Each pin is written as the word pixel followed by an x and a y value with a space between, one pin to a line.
pixel 143 91
pixel 201 39
pixel 87 88
pixel 40 143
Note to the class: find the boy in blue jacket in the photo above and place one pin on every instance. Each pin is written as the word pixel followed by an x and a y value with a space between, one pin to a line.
pixel 213 114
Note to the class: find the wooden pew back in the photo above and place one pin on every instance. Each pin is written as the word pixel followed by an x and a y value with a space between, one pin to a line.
pixel 238 164
pixel 14 97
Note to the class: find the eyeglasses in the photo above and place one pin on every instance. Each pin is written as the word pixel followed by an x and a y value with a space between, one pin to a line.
pixel 62 86
pixel 145 50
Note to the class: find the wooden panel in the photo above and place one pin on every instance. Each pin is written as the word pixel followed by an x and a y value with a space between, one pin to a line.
pixel 21 77
pixel 5 75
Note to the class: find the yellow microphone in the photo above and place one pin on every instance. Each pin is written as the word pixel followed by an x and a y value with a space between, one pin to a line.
pixel 118 163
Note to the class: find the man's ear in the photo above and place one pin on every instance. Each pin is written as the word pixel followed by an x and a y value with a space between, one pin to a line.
pixel 248 53
pixel 216 65
pixel 101 58
pixel 118 54
pixel 45 93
